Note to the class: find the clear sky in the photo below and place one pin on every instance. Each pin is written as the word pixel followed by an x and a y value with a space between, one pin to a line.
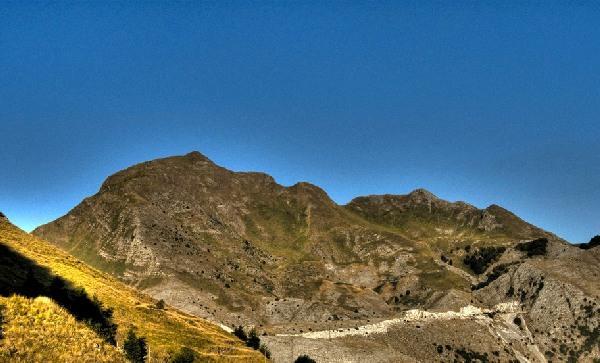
pixel 487 102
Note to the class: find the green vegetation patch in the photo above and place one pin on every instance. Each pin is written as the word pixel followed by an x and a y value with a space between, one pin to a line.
pixel 479 260
pixel 304 359
pixel 252 340
pixel 537 247
pixel 493 276
pixel 184 355
pixel 443 280
pixel 471 356
pixel 592 339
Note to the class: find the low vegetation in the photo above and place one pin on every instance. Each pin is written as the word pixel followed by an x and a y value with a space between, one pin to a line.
pixel 304 359
pixel 497 271
pixel 184 355
pixel 594 242
pixel 252 340
pixel 479 259
pixel 591 340
pixel 469 356
pixel 240 333
pixel 537 247
pixel 136 349
pixel 39 330
pixel 160 304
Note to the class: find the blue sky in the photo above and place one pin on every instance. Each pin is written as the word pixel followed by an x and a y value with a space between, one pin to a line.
pixel 487 102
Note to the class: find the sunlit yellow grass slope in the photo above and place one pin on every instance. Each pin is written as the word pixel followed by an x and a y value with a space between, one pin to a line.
pixel 38 330
pixel 166 330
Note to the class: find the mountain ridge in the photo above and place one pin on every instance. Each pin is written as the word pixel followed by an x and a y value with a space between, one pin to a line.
pixel 237 248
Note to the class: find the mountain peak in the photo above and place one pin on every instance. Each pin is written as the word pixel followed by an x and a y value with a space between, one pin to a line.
pixel 196 155
pixel 422 194
pixel 312 190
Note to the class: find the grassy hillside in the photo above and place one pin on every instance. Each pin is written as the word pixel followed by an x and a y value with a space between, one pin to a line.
pixel 166 330
pixel 38 330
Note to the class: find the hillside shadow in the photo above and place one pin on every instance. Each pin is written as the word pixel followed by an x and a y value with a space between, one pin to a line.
pixel 1 321
pixel 22 276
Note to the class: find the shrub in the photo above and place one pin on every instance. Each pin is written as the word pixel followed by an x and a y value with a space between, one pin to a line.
pixel 240 333
pixel 253 340
pixel 491 277
pixel 135 347
pixel 471 356
pixel 480 259
pixel 304 359
pixel 537 247
pixel 517 321
pixel 160 304
pixel 185 355
pixel 265 351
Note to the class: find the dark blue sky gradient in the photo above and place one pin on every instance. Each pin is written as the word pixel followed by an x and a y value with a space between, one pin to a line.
pixel 487 103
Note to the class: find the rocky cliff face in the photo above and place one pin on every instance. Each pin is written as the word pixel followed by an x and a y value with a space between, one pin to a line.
pixel 238 248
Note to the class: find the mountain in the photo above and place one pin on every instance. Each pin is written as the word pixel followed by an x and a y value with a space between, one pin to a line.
pixel 237 248
pixel 55 308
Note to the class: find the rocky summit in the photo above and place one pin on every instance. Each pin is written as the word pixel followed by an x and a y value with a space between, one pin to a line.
pixel 385 278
